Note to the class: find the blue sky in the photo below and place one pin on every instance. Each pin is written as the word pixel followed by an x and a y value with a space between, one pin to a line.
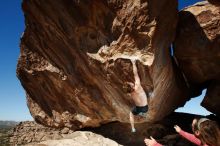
pixel 185 3
pixel 12 96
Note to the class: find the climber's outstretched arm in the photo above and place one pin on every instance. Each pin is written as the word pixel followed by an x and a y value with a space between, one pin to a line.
pixel 136 76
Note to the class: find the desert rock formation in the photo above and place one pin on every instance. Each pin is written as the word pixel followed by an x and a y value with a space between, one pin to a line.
pixel 30 133
pixel 197 51
pixel 75 54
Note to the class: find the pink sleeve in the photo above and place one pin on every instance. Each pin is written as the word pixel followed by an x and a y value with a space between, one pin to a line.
pixel 190 137
pixel 157 144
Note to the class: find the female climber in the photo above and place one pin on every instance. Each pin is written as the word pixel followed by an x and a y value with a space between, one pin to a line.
pixel 206 133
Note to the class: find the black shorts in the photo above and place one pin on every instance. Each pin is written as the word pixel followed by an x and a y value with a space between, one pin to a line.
pixel 139 110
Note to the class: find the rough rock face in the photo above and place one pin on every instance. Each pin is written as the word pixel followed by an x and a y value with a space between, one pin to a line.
pixel 197 50
pixel 75 54
pixel 32 134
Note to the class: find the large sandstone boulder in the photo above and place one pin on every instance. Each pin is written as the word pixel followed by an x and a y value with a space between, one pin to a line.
pixel 75 59
pixel 197 50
